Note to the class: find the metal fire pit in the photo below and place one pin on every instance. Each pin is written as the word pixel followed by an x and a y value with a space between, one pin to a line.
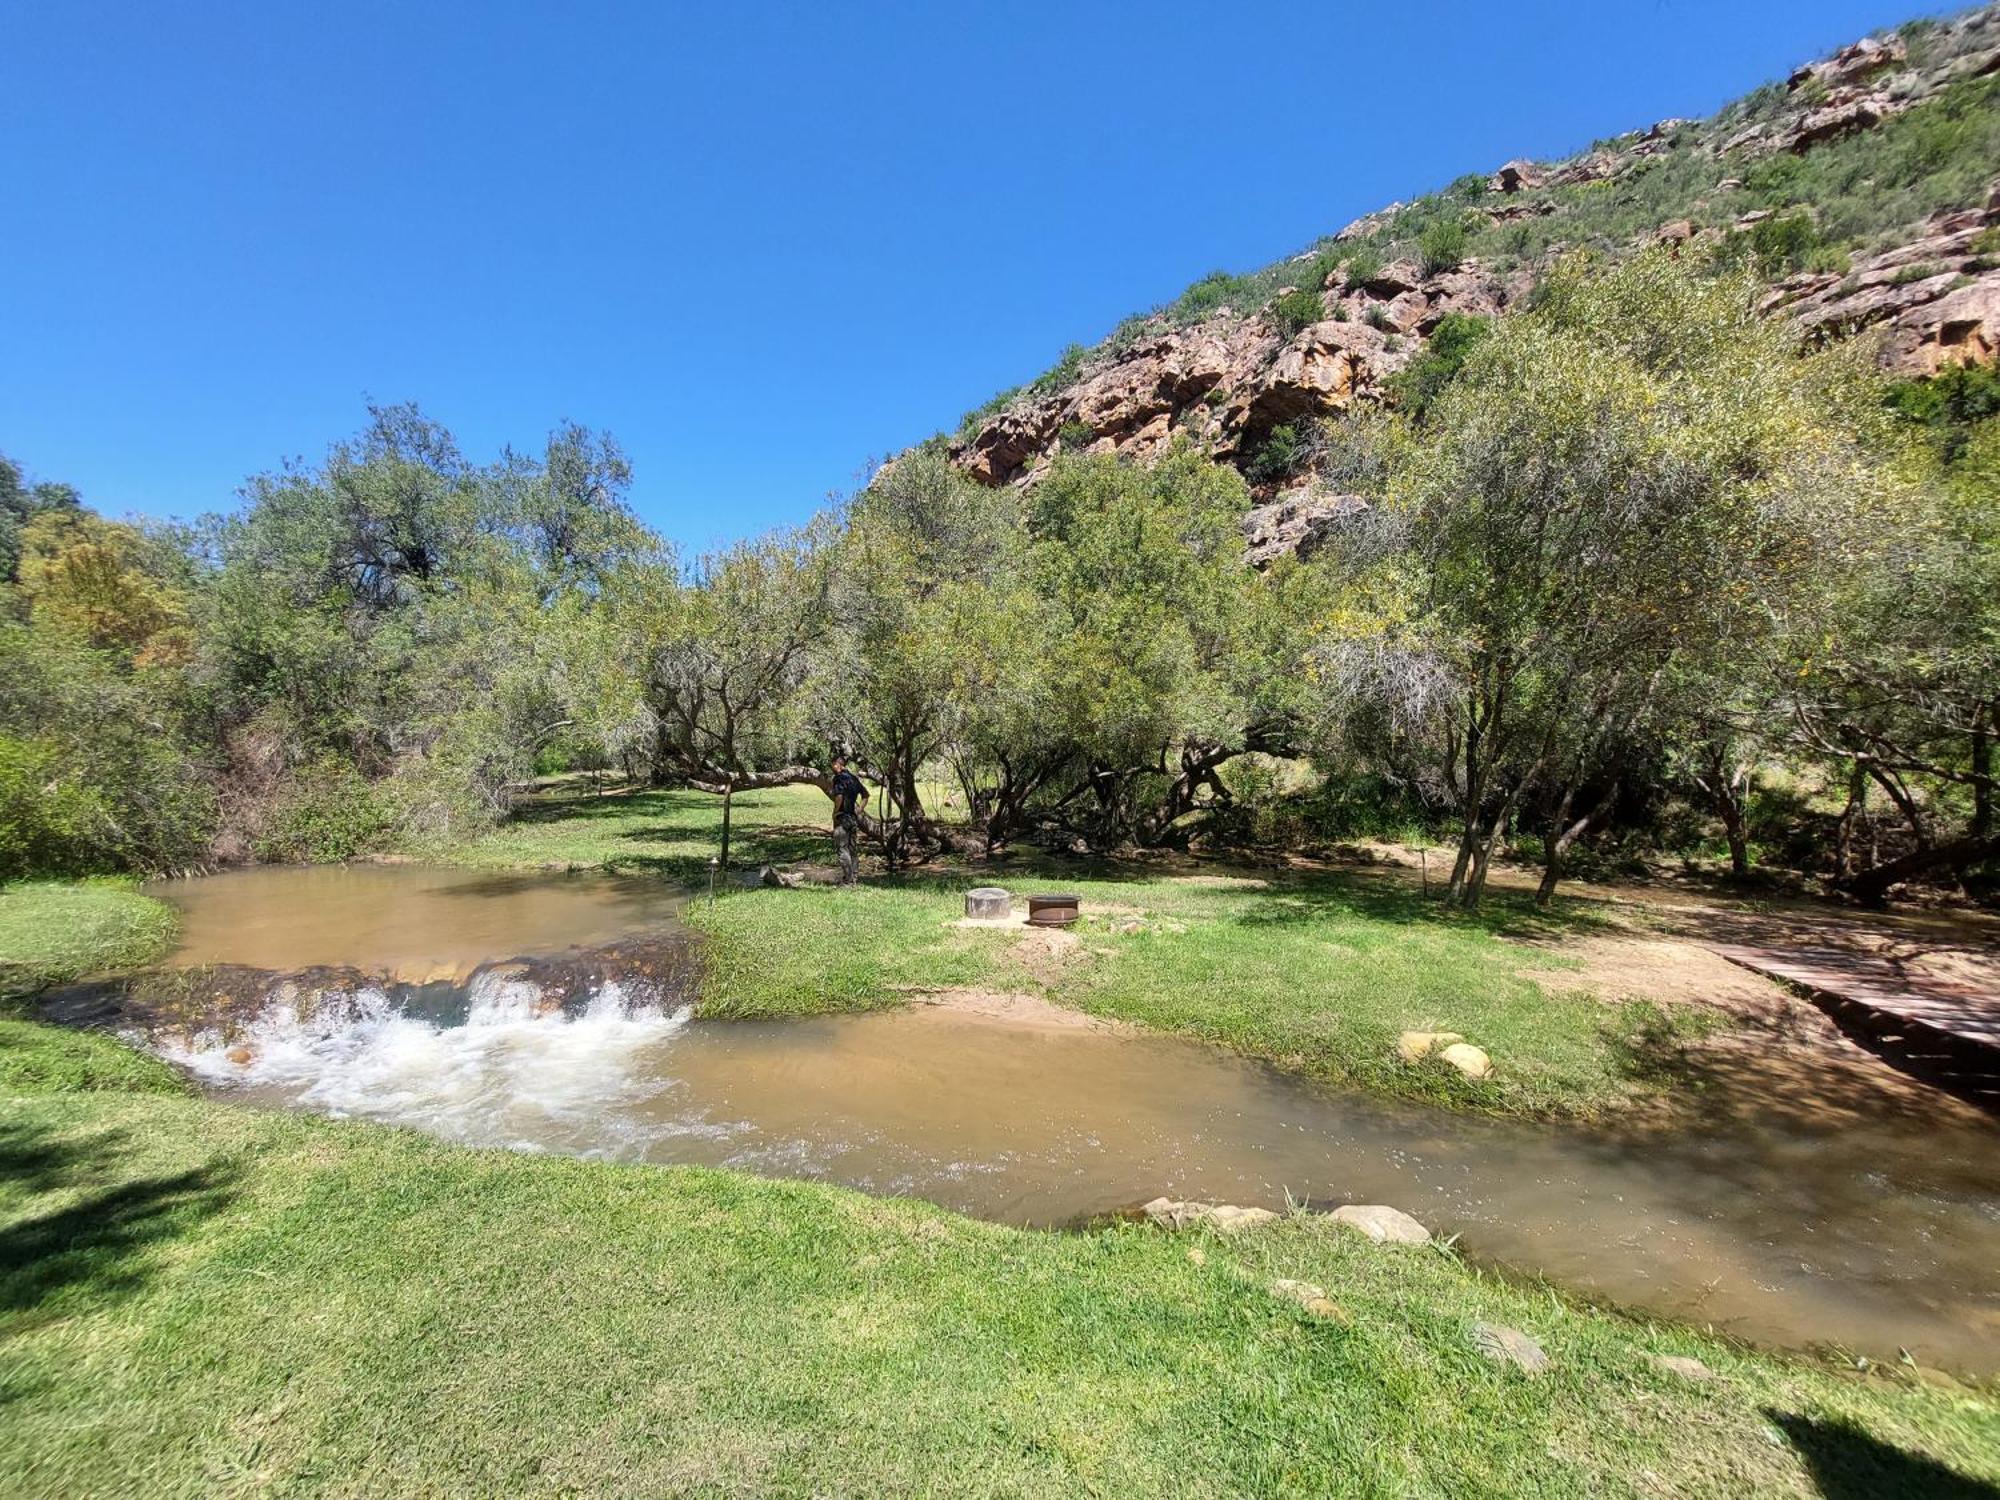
pixel 1056 909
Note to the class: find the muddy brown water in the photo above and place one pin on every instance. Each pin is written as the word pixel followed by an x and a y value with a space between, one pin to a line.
pixel 1875 1237
pixel 417 922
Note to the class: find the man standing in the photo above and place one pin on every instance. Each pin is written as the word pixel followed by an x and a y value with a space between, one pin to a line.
pixel 848 794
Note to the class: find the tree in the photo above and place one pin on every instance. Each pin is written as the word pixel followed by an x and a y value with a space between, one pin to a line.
pixel 1624 492
pixel 927 565
pixel 21 502
pixel 1899 677
pixel 105 580
pixel 1169 656
pixel 723 658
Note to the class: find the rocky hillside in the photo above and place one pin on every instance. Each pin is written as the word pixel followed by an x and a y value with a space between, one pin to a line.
pixel 1862 189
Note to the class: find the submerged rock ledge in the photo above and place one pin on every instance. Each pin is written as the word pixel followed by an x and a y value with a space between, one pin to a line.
pixel 221 1000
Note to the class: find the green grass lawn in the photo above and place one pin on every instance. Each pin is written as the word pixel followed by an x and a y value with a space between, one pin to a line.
pixel 203 1299
pixel 53 932
pixel 1316 971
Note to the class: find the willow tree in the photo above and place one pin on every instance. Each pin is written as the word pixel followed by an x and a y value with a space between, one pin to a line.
pixel 1168 656
pixel 1899 683
pixel 925 582
pixel 722 657
pixel 1622 501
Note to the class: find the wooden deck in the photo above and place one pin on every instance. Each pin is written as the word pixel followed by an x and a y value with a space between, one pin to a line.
pixel 1948 1033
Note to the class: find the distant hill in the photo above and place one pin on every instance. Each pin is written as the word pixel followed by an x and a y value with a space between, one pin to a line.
pixel 1863 189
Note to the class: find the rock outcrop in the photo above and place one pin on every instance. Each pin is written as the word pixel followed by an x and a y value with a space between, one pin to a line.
pixel 1296 525
pixel 1224 1218
pixel 1226 382
pixel 1382 1224
pixel 1935 299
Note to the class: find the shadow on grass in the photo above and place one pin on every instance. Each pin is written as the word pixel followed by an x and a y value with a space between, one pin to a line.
pixel 1847 1464
pixel 1509 914
pixel 92 1245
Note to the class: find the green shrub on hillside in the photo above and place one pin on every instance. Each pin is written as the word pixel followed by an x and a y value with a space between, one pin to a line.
pixel 1211 294
pixel 1285 452
pixel 1781 244
pixel 1296 310
pixel 1426 376
pixel 1364 264
pixel 1950 404
pixel 1441 247
pixel 1060 374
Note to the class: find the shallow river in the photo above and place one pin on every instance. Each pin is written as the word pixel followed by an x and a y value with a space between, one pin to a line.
pixel 1874 1237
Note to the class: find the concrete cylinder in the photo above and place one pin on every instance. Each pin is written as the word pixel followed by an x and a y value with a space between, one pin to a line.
pixel 988 903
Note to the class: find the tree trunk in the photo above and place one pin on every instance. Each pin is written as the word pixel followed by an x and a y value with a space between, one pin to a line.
pixel 1982 785
pixel 728 793
pixel 1872 885
pixel 1739 845
pixel 1475 881
pixel 1843 838
pixel 1906 804
pixel 1557 841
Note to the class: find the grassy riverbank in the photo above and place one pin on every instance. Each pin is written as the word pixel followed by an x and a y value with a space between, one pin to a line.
pixel 1318 971
pixel 52 932
pixel 197 1298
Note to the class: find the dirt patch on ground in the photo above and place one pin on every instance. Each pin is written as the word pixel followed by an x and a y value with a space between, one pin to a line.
pixel 1794 1065
pixel 1667 971
pixel 1046 953
pixel 1017 1009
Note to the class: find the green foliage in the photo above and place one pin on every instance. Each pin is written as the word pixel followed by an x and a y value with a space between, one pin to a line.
pixel 122 784
pixel 1442 245
pixel 1297 309
pixel 1286 450
pixel 1364 263
pixel 1783 243
pixel 1949 405
pixel 1215 291
pixel 1322 270
pixel 1059 374
pixel 51 934
pixel 1424 379
pixel 51 1060
pixel 328 813
pixel 46 819
pixel 20 503
pixel 1632 489
pixel 795 1338
pixel 1076 436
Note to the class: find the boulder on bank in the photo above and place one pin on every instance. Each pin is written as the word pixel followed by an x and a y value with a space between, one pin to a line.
pixel 1313 1299
pixel 1412 1045
pixel 1225 1218
pixel 1683 1365
pixel 1382 1224
pixel 1470 1060
pixel 1509 1346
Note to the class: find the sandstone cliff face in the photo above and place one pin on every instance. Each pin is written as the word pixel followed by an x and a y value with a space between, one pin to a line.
pixel 1936 299
pixel 1228 380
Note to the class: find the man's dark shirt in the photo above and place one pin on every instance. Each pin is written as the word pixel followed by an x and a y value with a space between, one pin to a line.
pixel 847 792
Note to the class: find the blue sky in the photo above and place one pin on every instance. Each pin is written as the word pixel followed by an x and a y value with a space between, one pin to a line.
pixel 757 243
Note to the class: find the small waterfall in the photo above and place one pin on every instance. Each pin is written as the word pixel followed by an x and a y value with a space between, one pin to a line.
pixel 503 1059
